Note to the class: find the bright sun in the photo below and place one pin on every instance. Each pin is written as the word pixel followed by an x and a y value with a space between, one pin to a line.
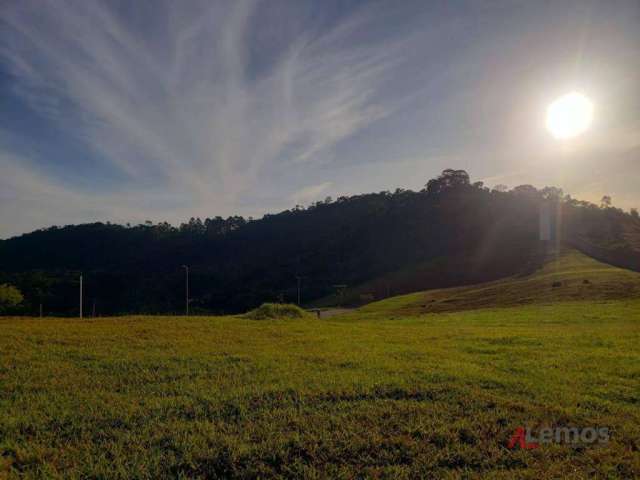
pixel 569 115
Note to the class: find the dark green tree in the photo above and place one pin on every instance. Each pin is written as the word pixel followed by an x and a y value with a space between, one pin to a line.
pixel 10 297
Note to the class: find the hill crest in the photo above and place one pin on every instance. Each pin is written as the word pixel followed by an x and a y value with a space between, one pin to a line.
pixel 452 233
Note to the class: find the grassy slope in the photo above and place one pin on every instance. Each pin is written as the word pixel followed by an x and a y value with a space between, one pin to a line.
pixel 436 395
pixel 580 277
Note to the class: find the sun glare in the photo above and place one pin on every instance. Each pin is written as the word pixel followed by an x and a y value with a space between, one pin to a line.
pixel 569 115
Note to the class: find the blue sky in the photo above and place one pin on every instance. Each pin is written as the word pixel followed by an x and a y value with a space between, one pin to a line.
pixel 163 110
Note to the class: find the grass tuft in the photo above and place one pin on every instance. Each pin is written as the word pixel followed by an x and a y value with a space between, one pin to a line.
pixel 270 311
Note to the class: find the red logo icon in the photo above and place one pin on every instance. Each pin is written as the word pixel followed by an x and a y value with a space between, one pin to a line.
pixel 520 438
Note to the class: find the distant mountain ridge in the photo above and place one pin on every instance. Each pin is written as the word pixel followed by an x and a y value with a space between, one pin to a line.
pixel 465 232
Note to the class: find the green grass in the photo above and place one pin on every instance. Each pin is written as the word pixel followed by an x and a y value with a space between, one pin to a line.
pixel 271 311
pixel 364 395
pixel 567 276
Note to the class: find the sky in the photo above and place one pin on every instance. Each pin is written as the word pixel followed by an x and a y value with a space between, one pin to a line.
pixel 163 110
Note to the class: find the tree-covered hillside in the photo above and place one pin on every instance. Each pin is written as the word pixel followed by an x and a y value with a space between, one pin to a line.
pixel 464 231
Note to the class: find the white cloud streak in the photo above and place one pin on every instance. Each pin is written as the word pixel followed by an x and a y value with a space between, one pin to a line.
pixel 204 107
pixel 310 193
pixel 176 100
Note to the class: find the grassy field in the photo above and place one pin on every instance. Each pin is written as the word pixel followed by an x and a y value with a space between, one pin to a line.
pixel 387 391
pixel 142 397
pixel 566 276
pixel 576 277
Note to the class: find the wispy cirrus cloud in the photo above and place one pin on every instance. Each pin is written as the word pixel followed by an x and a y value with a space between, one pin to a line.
pixel 172 101
pixel 310 193
pixel 163 110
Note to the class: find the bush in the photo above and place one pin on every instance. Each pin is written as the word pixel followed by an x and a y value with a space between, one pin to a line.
pixel 10 297
pixel 277 310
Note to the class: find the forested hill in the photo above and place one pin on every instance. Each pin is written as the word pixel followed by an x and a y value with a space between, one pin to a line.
pixel 464 231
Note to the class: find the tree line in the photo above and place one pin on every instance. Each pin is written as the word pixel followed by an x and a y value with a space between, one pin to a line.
pixel 463 231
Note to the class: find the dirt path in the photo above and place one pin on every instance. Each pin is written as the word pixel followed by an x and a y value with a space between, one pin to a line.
pixel 332 312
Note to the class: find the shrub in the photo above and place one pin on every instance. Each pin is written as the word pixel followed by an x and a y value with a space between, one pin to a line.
pixel 10 297
pixel 277 310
